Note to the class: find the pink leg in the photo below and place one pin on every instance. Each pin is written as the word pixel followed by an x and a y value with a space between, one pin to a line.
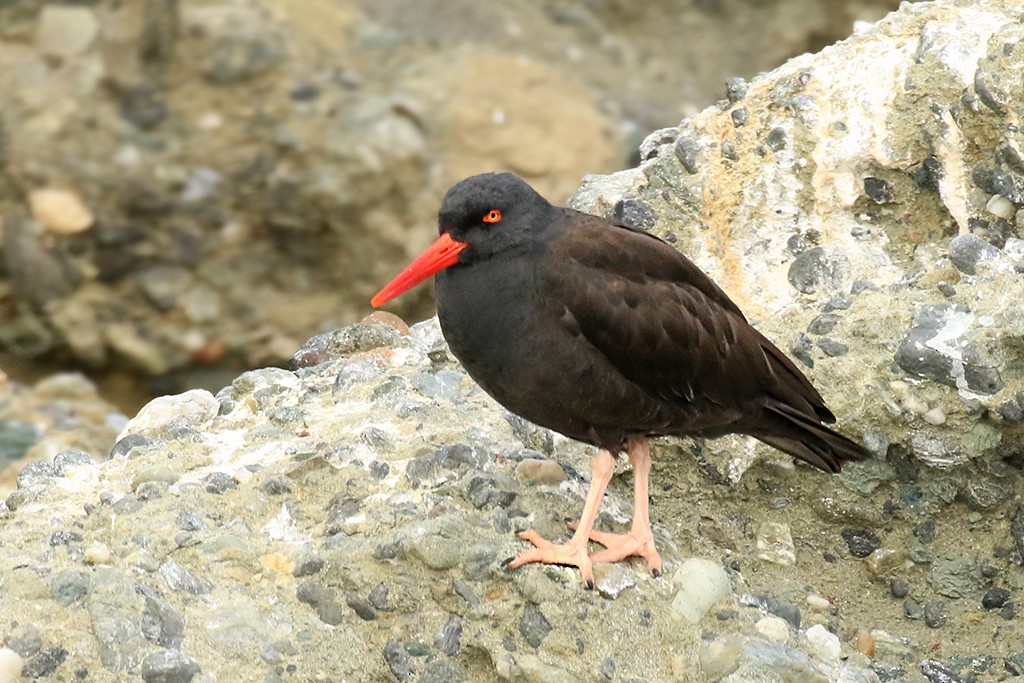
pixel 575 551
pixel 639 541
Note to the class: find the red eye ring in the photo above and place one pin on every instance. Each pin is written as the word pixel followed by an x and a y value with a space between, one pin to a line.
pixel 492 216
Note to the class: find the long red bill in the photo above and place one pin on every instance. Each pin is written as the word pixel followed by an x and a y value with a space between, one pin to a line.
pixel 438 256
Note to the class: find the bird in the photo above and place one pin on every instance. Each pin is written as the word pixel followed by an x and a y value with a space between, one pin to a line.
pixel 610 336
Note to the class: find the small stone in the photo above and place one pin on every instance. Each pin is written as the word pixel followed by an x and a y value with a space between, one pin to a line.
pixel 995 598
pixel 861 542
pixel 307 566
pixel 823 323
pixel 219 483
pixel 97 553
pixel 610 579
pixel 700 584
pixel 540 471
pixel 169 666
pixel 935 416
pixel 66 31
pixel 533 625
pixel 11 665
pixel 815 268
pixel 686 150
pixel 361 606
pixel 823 643
pixel 448 638
pixel 398 660
pixel 45 662
pixel 885 560
pixel 634 213
pixel 68 586
pixel 833 348
pixel 935 672
pixel 736 89
pixel 898 588
pixel 864 643
pixel 967 251
pixel 999 205
pixel 60 211
pixel 739 116
pixel 879 190
pixel 912 610
pixel 818 601
pixel 773 627
pixel 935 614
pixel 775 544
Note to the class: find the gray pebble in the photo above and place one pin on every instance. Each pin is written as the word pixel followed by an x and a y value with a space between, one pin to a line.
pixel 169 666
pixel 443 671
pixel 729 151
pixel 178 578
pixel 912 610
pixel 465 591
pixel 162 623
pixel 736 89
pixel 378 597
pixel 739 116
pixel 634 213
pixel 833 348
pixel 448 638
pixel 45 662
pixel 398 660
pixel 898 588
pixel 823 323
pixel 125 445
pixel 307 566
pixel 776 139
pixel 73 457
pixel 935 672
pixel 219 483
pixel 188 521
pixel 35 473
pixel 815 268
pixel 879 190
pixel 686 150
pixel 533 625
pixel 966 251
pixel 861 542
pixel 935 614
pixel 995 598
pixel 801 347
pixel 69 586
pixel 361 606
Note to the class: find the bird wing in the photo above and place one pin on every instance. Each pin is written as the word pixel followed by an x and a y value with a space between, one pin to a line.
pixel 665 325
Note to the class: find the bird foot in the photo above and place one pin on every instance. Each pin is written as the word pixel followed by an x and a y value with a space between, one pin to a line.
pixel 570 553
pixel 620 546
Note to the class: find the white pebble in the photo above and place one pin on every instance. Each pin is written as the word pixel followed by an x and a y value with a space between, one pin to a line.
pixel 773 627
pixel 775 544
pixel 60 211
pixel 998 205
pixel 823 643
pixel 97 553
pixel 11 665
pixel 818 601
pixel 935 416
pixel 701 584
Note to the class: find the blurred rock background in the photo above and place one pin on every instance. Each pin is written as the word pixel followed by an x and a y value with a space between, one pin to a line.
pixel 192 188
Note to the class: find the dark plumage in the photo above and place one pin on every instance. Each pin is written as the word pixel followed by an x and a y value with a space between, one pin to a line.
pixel 609 335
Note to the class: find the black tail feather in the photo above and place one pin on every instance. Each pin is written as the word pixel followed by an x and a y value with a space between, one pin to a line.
pixel 808 439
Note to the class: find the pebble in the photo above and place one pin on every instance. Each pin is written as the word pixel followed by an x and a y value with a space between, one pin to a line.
pixel 995 597
pixel 818 601
pixel 999 205
pixel 864 643
pixel 97 553
pixel 448 638
pixel 533 625
pixel 610 579
pixel 823 643
pixel 169 666
pixel 773 627
pixel 60 211
pixel 935 614
pixel 935 416
pixel 885 560
pixel 775 544
pixel 700 584
pixel 879 190
pixel 69 586
pixel 11 665
pixel 814 268
pixel 898 588
pixel 66 31
pixel 540 471
pixel 967 251
pixel 861 542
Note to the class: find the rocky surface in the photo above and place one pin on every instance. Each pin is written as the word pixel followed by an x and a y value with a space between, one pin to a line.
pixel 196 184
pixel 349 519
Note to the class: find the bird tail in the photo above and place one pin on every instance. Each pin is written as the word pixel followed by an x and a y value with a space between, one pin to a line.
pixel 806 438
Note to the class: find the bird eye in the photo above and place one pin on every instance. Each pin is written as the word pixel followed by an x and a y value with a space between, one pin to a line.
pixel 492 216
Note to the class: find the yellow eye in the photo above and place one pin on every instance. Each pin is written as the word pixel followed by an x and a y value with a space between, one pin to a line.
pixel 492 216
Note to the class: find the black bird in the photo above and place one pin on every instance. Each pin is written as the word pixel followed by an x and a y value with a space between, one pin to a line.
pixel 610 336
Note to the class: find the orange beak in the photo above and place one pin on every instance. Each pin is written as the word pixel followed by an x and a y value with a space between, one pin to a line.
pixel 438 256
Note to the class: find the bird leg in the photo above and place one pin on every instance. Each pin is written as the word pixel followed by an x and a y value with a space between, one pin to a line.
pixel 639 541
pixel 575 551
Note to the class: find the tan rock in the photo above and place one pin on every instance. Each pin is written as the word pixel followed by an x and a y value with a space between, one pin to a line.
pixel 60 211
pixel 66 31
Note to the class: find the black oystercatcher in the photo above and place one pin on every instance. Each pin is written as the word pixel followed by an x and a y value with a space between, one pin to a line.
pixel 609 336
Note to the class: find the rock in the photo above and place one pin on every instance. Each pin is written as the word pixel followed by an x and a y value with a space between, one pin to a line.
pixel 60 211
pixel 533 625
pixel 967 251
pixel 823 643
pixel 995 598
pixel 861 542
pixel 700 584
pixel 11 665
pixel 775 544
pixel 169 666
pixel 66 31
